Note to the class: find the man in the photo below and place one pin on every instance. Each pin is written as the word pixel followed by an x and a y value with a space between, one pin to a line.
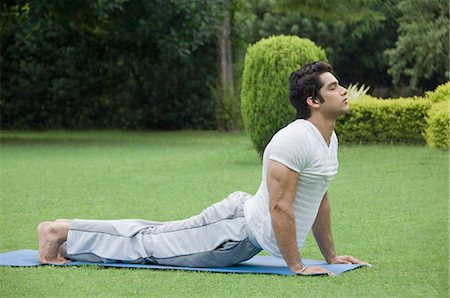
pixel 298 165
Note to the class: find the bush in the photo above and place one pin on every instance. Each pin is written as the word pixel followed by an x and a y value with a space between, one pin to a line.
pixel 389 121
pixel 264 95
pixel 438 125
pixel 108 64
pixel 441 93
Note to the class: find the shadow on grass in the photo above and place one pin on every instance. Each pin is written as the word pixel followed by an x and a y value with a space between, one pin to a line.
pixel 61 141
pixel 121 138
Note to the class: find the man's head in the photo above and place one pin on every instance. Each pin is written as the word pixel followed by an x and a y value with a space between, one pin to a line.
pixel 308 85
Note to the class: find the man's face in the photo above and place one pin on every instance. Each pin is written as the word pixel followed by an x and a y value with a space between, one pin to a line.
pixel 334 96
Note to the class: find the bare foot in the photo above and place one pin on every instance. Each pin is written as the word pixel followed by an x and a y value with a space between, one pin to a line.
pixel 41 230
pixel 60 255
pixel 51 235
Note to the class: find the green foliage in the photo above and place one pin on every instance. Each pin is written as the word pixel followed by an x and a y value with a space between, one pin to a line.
pixel 438 125
pixel 356 93
pixel 116 64
pixel 355 49
pixel 264 95
pixel 228 112
pixel 46 81
pixel 441 93
pixel 389 121
pixel 350 11
pixel 420 56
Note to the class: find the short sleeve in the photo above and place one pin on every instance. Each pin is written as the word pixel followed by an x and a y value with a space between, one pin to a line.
pixel 290 147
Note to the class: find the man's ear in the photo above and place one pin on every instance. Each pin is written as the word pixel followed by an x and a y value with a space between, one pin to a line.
pixel 313 102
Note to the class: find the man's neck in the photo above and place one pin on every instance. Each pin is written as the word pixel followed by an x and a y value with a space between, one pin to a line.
pixel 325 126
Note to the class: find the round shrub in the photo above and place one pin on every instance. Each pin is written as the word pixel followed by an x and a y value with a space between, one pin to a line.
pixel 441 93
pixel 438 125
pixel 264 95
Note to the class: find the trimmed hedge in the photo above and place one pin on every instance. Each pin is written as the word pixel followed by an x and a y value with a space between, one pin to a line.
pixel 264 95
pixel 388 121
pixel 441 93
pixel 438 125
pixel 266 108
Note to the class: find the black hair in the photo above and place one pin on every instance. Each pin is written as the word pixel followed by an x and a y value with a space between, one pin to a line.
pixel 305 82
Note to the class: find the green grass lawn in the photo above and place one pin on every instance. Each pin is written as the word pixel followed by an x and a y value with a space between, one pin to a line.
pixel 389 207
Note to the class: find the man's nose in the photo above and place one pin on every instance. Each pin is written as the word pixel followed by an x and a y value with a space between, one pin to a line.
pixel 344 90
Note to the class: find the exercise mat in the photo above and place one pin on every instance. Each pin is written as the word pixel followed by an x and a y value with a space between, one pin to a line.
pixel 256 265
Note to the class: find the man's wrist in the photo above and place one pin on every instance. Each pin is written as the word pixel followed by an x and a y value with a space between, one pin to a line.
pixel 303 269
pixel 298 268
pixel 331 258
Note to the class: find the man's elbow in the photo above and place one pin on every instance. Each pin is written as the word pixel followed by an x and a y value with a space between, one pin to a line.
pixel 280 209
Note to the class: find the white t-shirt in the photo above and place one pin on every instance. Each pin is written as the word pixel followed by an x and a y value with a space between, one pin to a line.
pixel 301 147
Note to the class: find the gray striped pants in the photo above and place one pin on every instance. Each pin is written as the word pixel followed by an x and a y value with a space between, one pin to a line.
pixel 218 236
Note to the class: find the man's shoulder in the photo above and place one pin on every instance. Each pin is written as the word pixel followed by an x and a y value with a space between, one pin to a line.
pixel 295 129
pixel 292 146
pixel 293 138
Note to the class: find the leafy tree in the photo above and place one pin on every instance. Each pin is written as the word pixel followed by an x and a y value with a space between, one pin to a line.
pixel 421 53
pixel 354 41
pixel 357 53
pixel 348 11
pixel 119 63
pixel 227 101
pixel 51 75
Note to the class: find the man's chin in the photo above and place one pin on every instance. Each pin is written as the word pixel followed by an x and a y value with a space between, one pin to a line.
pixel 344 111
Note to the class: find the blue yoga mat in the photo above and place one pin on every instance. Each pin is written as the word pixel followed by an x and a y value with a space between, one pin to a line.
pixel 257 264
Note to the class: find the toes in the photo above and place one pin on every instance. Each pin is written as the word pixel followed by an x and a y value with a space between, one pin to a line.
pixel 43 226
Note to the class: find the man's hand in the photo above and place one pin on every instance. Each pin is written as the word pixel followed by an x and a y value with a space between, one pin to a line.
pixel 318 270
pixel 345 260
pixel 314 270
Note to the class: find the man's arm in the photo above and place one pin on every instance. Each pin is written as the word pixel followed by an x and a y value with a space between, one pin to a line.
pixel 322 232
pixel 282 185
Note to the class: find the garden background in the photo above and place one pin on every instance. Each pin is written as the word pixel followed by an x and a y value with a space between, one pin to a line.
pixel 119 109
pixel 178 64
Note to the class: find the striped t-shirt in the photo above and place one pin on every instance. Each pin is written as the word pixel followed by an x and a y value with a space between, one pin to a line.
pixel 301 147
